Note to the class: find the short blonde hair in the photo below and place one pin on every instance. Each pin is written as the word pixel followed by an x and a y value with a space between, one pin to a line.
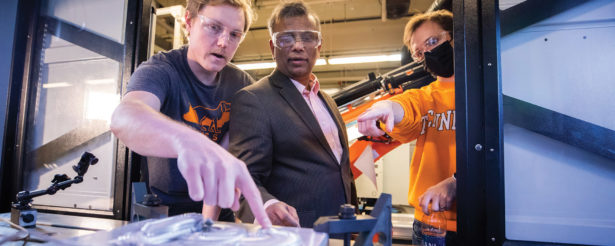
pixel 444 18
pixel 194 6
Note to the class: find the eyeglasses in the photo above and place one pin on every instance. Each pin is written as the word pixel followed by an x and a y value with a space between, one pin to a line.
pixel 216 29
pixel 289 38
pixel 430 43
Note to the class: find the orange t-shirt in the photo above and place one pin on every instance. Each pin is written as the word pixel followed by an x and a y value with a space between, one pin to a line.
pixel 429 117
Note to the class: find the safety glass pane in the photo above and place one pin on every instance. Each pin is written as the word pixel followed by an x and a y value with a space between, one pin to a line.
pixel 559 127
pixel 73 91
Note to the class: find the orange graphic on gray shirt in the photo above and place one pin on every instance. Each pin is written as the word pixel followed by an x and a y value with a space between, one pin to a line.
pixel 211 127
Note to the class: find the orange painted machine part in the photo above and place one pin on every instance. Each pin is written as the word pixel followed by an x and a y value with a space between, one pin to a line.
pixel 357 148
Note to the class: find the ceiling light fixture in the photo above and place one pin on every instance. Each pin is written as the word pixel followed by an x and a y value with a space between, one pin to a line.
pixel 364 59
pixel 255 65
pixel 330 61
pixel 99 81
pixel 321 61
pixel 56 85
pixel 265 65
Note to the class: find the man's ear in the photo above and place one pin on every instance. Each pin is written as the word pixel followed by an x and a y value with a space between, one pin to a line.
pixel 272 48
pixel 188 21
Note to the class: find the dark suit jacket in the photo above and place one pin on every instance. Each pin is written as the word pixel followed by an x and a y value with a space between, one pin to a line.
pixel 273 130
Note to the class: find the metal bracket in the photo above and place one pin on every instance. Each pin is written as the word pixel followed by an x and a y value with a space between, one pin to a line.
pixel 368 226
pixel 145 205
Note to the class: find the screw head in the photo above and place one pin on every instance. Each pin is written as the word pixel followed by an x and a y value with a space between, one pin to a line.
pixel 346 212
pixel 478 147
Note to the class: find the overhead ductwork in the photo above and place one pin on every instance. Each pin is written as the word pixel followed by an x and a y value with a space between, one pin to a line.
pixel 440 4
pixel 394 9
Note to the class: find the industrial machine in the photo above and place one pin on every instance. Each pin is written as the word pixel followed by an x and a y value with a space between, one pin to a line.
pixel 355 99
pixel 193 229
pixel 367 166
pixel 411 75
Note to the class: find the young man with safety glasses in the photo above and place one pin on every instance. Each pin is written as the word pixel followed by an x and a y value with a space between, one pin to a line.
pixel 176 113
pixel 427 115
pixel 289 132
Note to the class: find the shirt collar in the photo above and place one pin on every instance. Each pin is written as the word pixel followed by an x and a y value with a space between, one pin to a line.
pixel 443 84
pixel 313 81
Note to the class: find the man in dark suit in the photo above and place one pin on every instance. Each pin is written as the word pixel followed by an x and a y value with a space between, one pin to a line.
pixel 289 133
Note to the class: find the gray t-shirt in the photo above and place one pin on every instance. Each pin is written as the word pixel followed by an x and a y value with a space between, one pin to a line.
pixel 185 99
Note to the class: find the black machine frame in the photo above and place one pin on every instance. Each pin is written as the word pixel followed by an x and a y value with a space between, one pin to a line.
pixel 479 25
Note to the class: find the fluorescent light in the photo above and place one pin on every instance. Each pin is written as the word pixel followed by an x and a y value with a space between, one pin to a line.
pixel 265 65
pixel 330 91
pixel 100 81
pixel 256 65
pixel 56 85
pixel 100 106
pixel 364 59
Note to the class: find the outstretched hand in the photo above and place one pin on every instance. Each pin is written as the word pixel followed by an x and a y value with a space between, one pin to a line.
pixel 385 111
pixel 213 175
pixel 218 178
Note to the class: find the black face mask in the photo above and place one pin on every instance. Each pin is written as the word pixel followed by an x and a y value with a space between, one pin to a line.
pixel 439 61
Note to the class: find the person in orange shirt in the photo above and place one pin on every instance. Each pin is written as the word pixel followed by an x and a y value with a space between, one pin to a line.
pixel 427 115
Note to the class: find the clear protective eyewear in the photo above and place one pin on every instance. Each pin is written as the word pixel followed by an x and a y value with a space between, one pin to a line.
pixel 429 44
pixel 216 29
pixel 285 39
